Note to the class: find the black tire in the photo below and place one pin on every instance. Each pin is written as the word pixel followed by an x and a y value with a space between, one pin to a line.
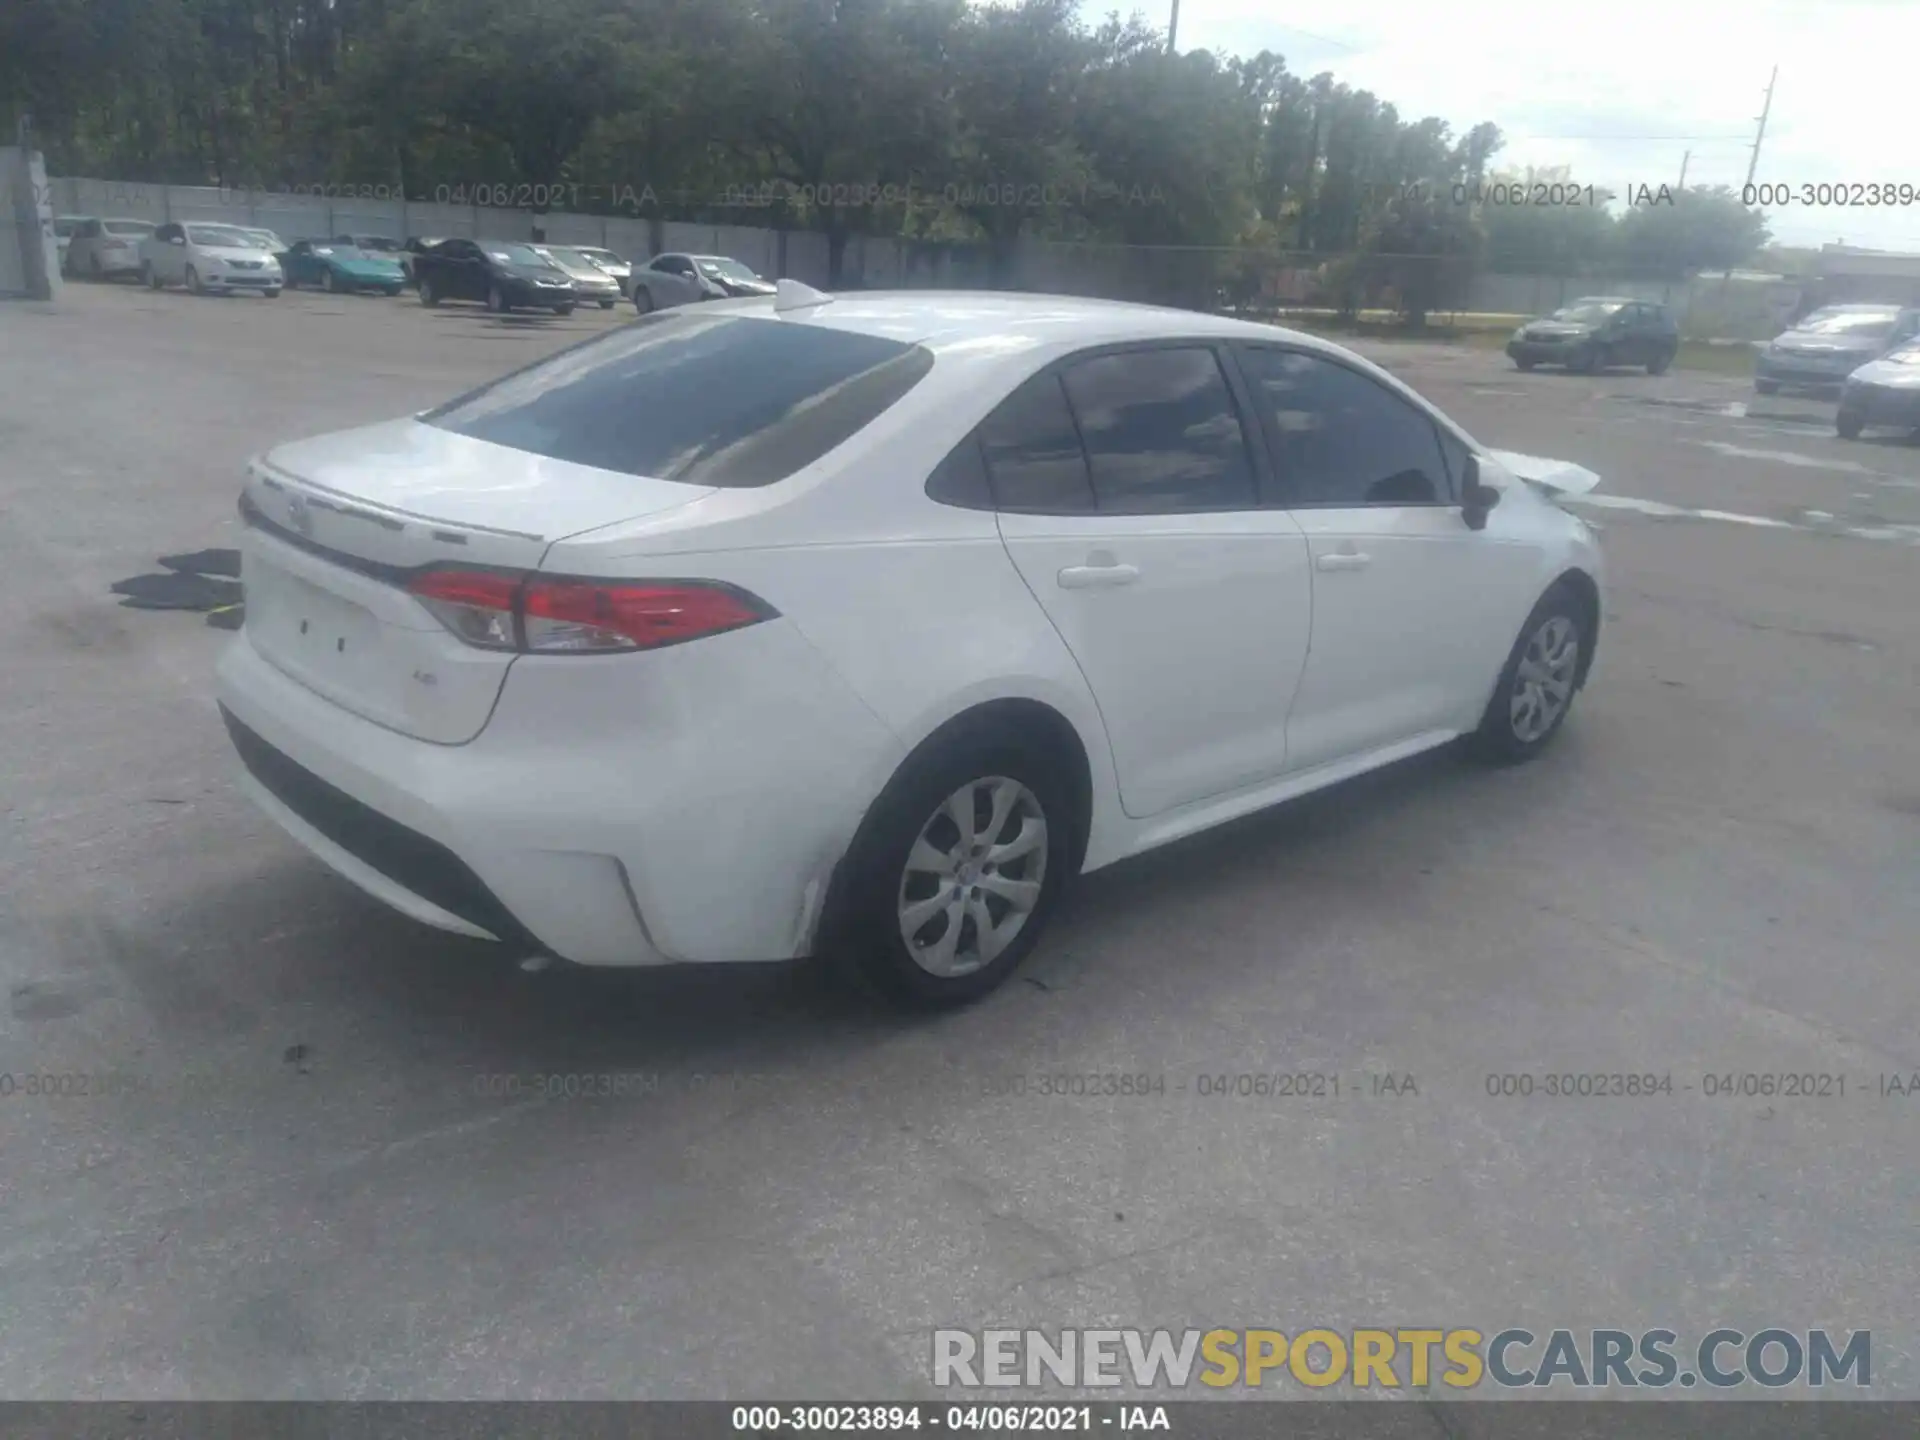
pixel 391 291
pixel 1591 362
pixel 606 304
pixel 1848 425
pixel 1766 387
pixel 1659 363
pixel 427 296
pixel 563 311
pixel 642 300
pixel 863 935
pixel 273 294
pixel 328 283
pixel 1501 739
pixel 1525 364
pixel 497 301
pixel 193 281
pixel 93 262
pixel 150 275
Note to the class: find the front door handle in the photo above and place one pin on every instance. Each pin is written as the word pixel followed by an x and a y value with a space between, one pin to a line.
pixel 1097 577
pixel 1343 560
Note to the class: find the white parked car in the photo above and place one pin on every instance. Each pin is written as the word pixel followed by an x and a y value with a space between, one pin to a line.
pixel 620 270
pixel 63 230
pixel 860 626
pixel 209 259
pixel 102 249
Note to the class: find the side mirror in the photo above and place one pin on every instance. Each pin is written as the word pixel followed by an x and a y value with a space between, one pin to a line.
pixel 176 240
pixel 1476 499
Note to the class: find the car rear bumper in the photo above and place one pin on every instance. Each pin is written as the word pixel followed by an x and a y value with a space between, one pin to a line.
pixel 1801 375
pixel 1882 405
pixel 604 815
pixel 125 262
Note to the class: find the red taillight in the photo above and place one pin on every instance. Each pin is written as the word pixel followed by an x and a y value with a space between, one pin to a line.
pixel 507 611
pixel 476 605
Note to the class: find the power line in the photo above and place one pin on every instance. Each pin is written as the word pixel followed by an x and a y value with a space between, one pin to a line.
pixel 1740 140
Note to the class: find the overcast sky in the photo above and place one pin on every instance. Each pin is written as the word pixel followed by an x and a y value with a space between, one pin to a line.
pixel 1571 82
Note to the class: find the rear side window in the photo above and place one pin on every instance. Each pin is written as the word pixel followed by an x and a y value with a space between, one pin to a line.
pixel 1033 451
pixel 1161 432
pixel 728 401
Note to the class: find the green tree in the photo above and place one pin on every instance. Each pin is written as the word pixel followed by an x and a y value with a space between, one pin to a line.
pixel 1696 229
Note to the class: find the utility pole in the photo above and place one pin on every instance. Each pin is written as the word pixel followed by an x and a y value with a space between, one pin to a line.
pixel 1753 161
pixel 1173 26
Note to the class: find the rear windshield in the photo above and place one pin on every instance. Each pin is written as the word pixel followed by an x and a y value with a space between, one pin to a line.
pixel 728 401
pixel 127 227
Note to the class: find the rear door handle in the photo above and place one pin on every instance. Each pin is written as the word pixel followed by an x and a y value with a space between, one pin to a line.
pixel 1343 560
pixel 1097 577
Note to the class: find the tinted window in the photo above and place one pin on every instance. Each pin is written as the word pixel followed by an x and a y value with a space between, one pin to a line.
pixel 1160 431
pixel 961 478
pixel 1340 438
pixel 1033 451
pixel 708 400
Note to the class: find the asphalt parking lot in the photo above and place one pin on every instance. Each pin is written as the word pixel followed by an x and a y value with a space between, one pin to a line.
pixel 307 1178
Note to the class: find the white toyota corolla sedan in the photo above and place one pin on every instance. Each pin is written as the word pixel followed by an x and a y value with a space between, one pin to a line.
pixel 859 626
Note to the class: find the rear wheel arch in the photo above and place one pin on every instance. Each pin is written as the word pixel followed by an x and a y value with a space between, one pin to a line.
pixel 1032 723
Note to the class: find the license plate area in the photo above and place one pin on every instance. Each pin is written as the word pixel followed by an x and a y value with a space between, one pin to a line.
pixel 307 629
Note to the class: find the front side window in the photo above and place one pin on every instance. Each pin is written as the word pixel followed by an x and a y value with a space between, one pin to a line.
pixel 1161 432
pixel 1340 438
pixel 729 401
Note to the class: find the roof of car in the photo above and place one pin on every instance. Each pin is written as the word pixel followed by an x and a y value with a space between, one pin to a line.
pixel 963 320
pixel 1612 300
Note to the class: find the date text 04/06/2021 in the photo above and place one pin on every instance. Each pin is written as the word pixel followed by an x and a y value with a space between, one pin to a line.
pixel 1211 1084
pixel 961 1419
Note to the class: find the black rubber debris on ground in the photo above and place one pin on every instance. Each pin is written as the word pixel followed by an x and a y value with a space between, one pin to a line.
pixel 177 592
pixel 205 562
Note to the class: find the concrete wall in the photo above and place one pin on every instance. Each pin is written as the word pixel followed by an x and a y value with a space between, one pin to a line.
pixel 1161 275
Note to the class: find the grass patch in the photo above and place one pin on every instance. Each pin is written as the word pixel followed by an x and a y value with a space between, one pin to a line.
pixel 1490 332
pixel 1693 354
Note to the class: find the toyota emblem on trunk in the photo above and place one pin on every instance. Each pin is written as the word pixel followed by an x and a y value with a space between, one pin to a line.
pixel 298 515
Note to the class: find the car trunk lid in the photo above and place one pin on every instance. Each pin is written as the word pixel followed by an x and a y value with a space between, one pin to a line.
pixel 337 526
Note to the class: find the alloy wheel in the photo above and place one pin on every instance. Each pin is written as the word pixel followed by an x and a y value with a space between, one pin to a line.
pixel 1543 681
pixel 973 877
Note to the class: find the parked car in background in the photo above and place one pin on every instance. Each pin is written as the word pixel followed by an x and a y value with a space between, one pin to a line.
pixel 1822 350
pixel 372 244
pixel 209 260
pixel 336 267
pixel 1598 331
pixel 1885 391
pixel 590 282
pixel 266 240
pixel 102 249
pixel 653 658
pixel 415 247
pixel 620 270
pixel 677 278
pixel 64 227
pixel 505 274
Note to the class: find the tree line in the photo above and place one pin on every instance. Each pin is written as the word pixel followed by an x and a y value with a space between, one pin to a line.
pixel 927 119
